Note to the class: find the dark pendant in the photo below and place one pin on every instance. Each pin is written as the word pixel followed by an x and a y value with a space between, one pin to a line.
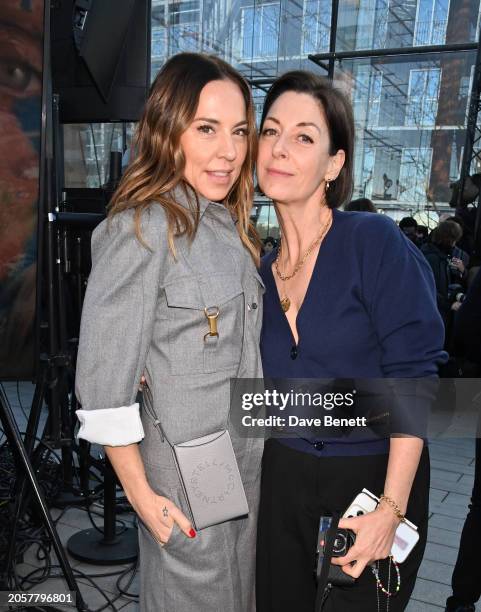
pixel 285 304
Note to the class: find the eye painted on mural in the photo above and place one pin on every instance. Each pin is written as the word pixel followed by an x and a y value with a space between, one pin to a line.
pixel 18 77
pixel 20 53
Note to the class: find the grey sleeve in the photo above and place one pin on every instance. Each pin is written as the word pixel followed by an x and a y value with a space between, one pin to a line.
pixel 116 328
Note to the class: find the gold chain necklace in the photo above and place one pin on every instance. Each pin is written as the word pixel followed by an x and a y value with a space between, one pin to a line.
pixel 285 301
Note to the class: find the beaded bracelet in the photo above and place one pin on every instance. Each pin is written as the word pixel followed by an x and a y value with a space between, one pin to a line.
pixel 394 506
pixel 375 571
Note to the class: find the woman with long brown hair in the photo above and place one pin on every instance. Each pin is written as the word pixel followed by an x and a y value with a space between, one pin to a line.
pixel 174 295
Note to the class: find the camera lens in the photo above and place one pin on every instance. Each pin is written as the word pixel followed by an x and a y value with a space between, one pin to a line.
pixel 339 543
pixel 360 513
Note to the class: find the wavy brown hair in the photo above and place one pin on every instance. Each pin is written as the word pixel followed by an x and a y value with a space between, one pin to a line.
pixel 158 165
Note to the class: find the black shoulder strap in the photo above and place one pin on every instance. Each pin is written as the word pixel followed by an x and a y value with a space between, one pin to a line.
pixel 322 585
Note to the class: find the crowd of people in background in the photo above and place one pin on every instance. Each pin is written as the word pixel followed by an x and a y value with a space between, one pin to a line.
pixel 449 250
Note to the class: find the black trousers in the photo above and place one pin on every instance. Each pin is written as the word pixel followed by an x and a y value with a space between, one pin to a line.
pixel 467 572
pixel 297 488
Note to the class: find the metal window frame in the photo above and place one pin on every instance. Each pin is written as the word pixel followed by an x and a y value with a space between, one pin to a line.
pixel 416 22
pixel 319 26
pixel 429 170
pixel 424 98
pixel 255 7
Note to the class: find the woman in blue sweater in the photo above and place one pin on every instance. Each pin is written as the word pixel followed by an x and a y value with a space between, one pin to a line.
pixel 347 297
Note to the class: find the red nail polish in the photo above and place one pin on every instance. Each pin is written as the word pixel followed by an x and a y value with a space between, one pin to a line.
pixel 192 533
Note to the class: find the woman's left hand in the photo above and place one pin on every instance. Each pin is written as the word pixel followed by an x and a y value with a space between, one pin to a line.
pixel 374 538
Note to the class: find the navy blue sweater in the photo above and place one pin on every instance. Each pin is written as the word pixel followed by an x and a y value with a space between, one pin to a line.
pixel 369 311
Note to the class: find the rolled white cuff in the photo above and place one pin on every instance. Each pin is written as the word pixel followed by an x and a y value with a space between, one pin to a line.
pixel 111 426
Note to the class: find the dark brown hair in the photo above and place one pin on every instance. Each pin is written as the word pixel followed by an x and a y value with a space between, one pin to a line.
pixel 446 233
pixel 158 165
pixel 339 119
pixel 361 205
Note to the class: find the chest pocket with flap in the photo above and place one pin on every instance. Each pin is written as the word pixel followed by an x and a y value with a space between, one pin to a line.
pixel 190 350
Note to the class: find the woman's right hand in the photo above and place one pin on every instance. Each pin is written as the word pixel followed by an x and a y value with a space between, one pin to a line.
pixel 159 515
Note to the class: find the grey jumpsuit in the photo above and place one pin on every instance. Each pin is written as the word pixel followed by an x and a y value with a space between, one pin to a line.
pixel 144 313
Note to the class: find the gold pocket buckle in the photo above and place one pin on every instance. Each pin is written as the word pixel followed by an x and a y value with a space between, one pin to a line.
pixel 212 313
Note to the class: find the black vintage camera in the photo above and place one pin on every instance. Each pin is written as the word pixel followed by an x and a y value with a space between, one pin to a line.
pixel 343 541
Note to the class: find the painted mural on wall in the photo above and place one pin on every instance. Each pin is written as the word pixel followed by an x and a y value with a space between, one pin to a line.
pixel 21 40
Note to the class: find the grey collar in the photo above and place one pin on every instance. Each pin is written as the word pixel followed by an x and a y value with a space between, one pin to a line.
pixel 186 197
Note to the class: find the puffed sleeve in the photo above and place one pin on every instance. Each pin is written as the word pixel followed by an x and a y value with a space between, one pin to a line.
pixel 116 328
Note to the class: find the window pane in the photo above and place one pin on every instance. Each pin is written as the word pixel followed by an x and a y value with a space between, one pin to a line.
pixel 409 127
pixel 269 30
pixel 316 26
pixel 440 21
pixel 260 31
pixel 366 24
pixel 423 97
pixel 309 26
pixel 158 42
pixel 414 175
pixel 247 31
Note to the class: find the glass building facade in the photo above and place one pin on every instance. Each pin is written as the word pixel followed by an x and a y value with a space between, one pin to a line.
pixel 410 109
